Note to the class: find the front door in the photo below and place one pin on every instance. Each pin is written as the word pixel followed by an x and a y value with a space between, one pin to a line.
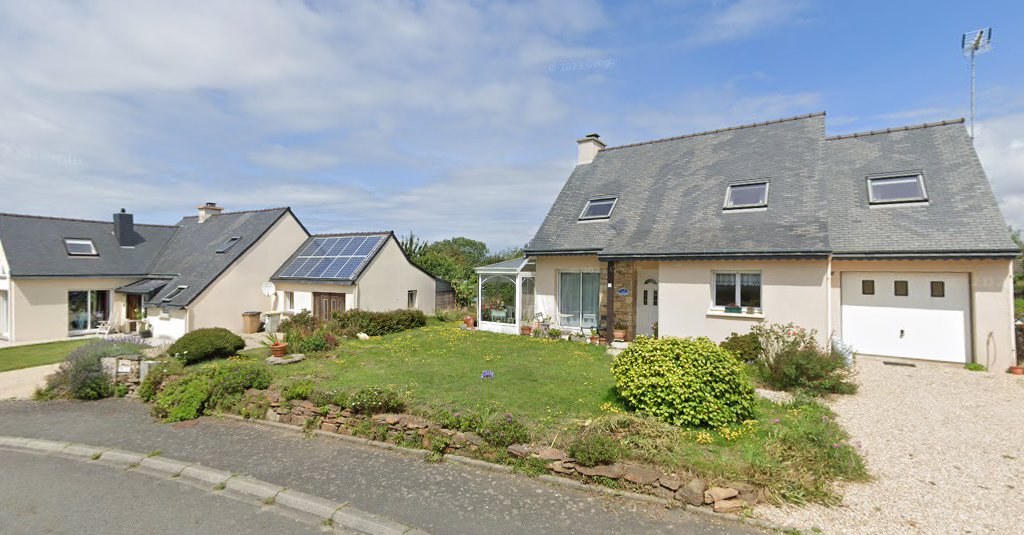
pixel 326 304
pixel 133 307
pixel 647 303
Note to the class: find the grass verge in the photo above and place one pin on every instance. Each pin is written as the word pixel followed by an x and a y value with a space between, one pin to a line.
pixel 19 357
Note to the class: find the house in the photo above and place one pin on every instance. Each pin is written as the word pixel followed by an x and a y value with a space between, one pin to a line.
pixel 67 277
pixel 891 240
pixel 331 273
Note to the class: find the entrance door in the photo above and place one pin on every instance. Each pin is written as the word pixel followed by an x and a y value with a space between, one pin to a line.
pixel 326 304
pixel 647 303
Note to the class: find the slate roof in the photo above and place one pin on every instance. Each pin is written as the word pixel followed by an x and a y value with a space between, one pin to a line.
pixel 190 258
pixel 671 194
pixel 34 247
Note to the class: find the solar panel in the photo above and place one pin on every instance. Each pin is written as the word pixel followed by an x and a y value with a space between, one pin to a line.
pixel 335 257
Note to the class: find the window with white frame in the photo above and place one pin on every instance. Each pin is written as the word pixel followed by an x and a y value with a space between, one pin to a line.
pixel 893 189
pixel 174 293
pixel 750 195
pixel 411 299
pixel 579 297
pixel 289 301
pixel 77 247
pixel 598 208
pixel 737 289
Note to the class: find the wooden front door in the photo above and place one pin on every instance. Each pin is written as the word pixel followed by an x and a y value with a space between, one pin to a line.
pixel 326 304
pixel 133 305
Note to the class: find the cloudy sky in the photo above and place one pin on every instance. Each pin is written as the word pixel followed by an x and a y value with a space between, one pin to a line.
pixel 451 118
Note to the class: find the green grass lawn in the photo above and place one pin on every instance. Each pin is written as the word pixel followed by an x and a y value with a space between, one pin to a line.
pixel 16 358
pixel 439 366
pixel 1019 305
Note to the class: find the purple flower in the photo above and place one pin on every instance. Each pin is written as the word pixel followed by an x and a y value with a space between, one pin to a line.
pixel 487 374
pixel 836 446
pixel 775 421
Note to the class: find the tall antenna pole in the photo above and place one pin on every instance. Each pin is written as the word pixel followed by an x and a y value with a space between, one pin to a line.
pixel 974 43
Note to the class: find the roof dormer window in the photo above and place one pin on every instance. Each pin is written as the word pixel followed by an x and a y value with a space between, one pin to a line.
pixel 228 244
pixel 901 188
pixel 174 293
pixel 749 195
pixel 80 247
pixel 598 208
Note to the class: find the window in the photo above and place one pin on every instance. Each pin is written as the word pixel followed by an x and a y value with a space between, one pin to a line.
pixel 901 288
pixel 174 293
pixel 77 247
pixel 411 299
pixel 753 195
pixel 737 289
pixel 938 289
pixel 896 189
pixel 598 208
pixel 579 295
pixel 228 244
pixel 867 287
pixel 86 309
pixel 289 301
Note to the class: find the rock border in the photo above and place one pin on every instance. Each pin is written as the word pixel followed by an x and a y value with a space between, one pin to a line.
pixel 330 513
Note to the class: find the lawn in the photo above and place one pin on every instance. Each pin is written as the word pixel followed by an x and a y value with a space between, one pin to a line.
pixel 16 358
pixel 1019 305
pixel 439 366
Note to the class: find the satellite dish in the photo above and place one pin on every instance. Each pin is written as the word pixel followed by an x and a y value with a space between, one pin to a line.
pixel 269 289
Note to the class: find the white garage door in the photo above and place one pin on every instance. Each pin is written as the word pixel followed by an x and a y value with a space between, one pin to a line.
pixel 911 315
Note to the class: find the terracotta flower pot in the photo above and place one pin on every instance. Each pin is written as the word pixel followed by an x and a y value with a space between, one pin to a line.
pixel 594 339
pixel 620 334
pixel 1016 370
pixel 525 330
pixel 468 320
pixel 279 349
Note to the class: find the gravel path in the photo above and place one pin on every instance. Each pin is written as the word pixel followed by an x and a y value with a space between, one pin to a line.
pixel 946 446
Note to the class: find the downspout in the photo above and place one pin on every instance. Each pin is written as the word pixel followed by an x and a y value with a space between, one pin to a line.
pixel 609 332
pixel 828 298
pixel 479 298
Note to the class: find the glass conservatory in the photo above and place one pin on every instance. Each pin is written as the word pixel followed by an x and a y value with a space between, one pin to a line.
pixel 506 295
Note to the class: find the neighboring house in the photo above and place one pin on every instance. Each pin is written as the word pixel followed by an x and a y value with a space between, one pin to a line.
pixel 336 272
pixel 67 277
pixel 891 240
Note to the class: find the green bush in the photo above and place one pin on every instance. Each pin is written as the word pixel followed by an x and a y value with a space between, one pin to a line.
pixel 156 376
pixel 301 389
pixel 503 431
pixel 975 367
pixel 232 378
pixel 447 315
pixel 745 347
pixel 216 387
pixel 593 449
pixel 809 369
pixel 458 421
pixel 376 323
pixel 322 398
pixel 81 375
pixel 299 325
pixel 314 343
pixel 183 399
pixel 684 381
pixel 375 400
pixel 203 344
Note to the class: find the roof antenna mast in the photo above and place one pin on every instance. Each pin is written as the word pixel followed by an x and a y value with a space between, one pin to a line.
pixel 972 44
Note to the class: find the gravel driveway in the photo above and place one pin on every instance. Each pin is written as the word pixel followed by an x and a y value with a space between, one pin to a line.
pixel 945 445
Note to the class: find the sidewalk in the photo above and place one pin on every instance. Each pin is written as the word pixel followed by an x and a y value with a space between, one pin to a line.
pixel 438 498
pixel 20 384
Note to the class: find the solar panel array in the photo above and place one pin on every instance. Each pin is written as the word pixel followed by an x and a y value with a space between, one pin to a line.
pixel 338 257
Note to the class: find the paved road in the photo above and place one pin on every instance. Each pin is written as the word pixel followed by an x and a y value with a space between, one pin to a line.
pixel 438 498
pixel 54 495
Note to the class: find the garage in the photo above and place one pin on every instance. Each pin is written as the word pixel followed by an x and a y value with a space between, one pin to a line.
pixel 910 315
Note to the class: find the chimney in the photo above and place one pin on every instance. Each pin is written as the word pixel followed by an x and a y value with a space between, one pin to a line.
pixel 208 210
pixel 124 229
pixel 589 146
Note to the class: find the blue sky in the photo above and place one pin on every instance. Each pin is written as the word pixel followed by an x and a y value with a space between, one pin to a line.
pixel 450 118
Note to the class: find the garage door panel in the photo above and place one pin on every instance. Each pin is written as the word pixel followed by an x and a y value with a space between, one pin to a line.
pixel 917 325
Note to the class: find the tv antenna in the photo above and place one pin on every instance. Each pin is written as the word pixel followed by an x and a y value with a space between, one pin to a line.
pixel 974 43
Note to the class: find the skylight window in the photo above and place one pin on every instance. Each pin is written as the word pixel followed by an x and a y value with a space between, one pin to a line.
pixel 896 189
pixel 174 293
pixel 598 208
pixel 76 247
pixel 228 244
pixel 753 195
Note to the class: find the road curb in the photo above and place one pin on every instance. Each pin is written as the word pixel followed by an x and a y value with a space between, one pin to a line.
pixel 547 478
pixel 338 514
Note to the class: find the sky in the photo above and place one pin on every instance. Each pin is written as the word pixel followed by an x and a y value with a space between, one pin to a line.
pixel 453 118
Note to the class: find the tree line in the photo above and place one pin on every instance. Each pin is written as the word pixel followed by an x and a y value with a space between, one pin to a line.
pixel 453 260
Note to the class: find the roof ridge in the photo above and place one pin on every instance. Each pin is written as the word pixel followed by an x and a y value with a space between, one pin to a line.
pixel 897 129
pixel 337 234
pixel 719 130
pixel 79 220
pixel 244 211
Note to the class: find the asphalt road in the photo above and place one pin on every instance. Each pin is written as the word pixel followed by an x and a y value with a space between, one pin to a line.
pixel 437 498
pixel 55 495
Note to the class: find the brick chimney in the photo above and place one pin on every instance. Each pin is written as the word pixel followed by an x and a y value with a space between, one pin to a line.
pixel 589 146
pixel 208 210
pixel 124 229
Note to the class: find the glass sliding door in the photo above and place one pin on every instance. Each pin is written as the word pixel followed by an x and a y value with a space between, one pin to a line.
pixel 86 309
pixel 579 296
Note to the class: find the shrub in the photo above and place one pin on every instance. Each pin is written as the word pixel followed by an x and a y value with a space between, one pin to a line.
pixel 975 367
pixel 156 376
pixel 745 347
pixel 203 344
pixel 81 375
pixel 314 343
pixel 322 398
pixel 592 449
pixel 232 378
pixel 688 381
pixel 301 324
pixel 810 369
pixel 217 387
pixel 458 421
pixel 504 431
pixel 183 399
pixel 376 323
pixel 447 315
pixel 376 399
pixel 301 389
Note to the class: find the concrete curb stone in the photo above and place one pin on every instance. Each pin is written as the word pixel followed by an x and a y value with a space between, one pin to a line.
pixel 121 457
pixel 170 467
pixel 313 505
pixel 205 475
pixel 367 522
pixel 253 487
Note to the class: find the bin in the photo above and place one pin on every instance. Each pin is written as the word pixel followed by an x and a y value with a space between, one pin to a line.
pixel 250 322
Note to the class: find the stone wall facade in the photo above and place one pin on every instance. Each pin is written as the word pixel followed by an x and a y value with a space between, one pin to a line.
pixel 625 305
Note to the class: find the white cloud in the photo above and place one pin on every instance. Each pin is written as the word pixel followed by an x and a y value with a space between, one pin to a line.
pixel 291 159
pixel 1000 145
pixel 747 18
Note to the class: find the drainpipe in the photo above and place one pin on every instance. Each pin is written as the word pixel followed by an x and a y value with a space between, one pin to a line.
pixel 610 325
pixel 828 297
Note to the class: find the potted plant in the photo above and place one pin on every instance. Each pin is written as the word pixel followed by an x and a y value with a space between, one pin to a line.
pixel 555 333
pixel 619 332
pixel 278 348
pixel 468 320
pixel 733 308
pixel 594 338
pixel 526 329
pixel 144 330
pixel 545 321
pixel 1019 368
